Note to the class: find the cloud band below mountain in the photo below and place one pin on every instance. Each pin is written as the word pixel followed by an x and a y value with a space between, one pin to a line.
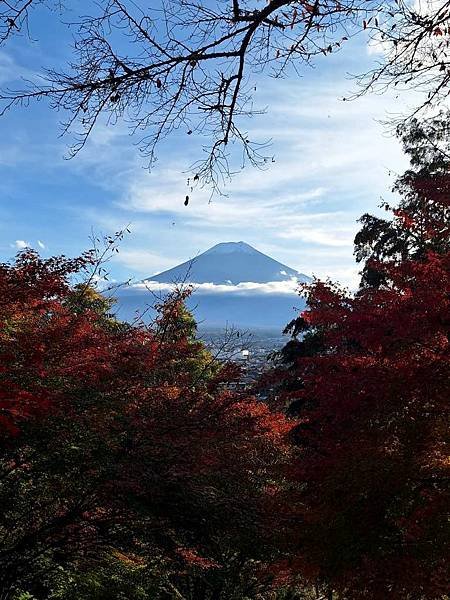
pixel 290 287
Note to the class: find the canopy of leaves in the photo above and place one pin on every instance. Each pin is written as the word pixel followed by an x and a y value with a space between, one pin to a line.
pixel 367 377
pixel 372 435
pixel 421 221
pixel 121 451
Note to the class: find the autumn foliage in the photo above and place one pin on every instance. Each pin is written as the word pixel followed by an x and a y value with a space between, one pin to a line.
pixel 129 470
pixel 367 378
pixel 371 435
pixel 120 443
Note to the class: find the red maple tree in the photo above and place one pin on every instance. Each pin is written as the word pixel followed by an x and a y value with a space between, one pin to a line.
pixel 372 405
pixel 367 377
pixel 122 440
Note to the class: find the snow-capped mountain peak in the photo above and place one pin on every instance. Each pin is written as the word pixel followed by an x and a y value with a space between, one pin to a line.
pixel 230 263
pixel 230 248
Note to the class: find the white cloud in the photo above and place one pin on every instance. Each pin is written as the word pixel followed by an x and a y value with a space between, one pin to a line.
pixel 242 289
pixel 333 163
pixel 8 68
pixel 41 245
pixel 11 70
pixel 21 244
pixel 328 147
pixel 340 235
pixel 376 45
pixel 146 195
pixel 144 261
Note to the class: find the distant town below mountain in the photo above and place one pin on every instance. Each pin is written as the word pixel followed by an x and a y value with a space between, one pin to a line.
pixel 234 285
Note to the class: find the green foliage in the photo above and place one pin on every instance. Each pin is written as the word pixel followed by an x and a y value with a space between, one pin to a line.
pixel 421 221
pixel 111 579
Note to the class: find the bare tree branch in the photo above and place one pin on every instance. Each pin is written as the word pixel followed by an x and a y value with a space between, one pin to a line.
pixel 183 65
pixel 413 41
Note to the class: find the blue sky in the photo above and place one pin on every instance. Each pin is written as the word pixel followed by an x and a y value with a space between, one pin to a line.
pixel 334 161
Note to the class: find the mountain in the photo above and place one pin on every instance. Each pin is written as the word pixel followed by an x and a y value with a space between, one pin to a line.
pixel 230 263
pixel 234 284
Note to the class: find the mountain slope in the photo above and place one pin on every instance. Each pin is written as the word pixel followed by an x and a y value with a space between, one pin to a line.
pixel 256 311
pixel 234 284
pixel 229 263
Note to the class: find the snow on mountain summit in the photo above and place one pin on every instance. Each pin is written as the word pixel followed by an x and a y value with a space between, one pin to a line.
pixel 231 247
